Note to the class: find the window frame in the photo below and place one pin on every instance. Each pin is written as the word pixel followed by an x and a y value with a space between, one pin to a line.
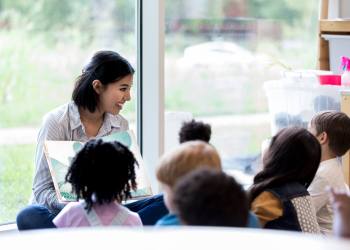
pixel 150 100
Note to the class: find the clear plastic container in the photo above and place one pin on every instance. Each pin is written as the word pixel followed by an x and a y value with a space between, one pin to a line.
pixel 294 103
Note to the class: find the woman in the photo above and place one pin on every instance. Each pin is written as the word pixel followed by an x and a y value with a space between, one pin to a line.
pixel 98 96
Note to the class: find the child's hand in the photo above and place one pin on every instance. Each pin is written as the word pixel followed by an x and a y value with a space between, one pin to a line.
pixel 340 200
pixel 341 205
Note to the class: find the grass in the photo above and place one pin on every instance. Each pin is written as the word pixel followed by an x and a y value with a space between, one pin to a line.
pixel 16 174
pixel 31 86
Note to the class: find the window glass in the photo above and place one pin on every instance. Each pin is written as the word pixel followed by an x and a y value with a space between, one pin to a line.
pixel 218 56
pixel 43 46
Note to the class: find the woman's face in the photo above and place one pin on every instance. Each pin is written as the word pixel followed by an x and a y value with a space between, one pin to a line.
pixel 114 95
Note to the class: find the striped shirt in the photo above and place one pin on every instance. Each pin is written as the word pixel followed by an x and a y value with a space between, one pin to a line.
pixel 64 124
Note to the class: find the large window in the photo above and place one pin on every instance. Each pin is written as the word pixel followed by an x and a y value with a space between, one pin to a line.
pixel 43 46
pixel 219 54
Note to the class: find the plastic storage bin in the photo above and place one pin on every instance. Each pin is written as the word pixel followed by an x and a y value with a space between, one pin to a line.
pixel 339 45
pixel 293 103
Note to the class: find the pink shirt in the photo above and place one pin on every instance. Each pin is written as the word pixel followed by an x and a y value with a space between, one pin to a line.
pixel 74 215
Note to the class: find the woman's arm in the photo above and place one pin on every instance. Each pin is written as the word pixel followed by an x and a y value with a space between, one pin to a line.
pixel 43 188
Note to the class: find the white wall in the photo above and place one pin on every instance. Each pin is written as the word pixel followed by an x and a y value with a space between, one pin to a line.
pixel 338 9
pixel 344 8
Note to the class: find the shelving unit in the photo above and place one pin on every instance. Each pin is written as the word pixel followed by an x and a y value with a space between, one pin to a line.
pixel 334 27
pixel 327 26
pixel 345 107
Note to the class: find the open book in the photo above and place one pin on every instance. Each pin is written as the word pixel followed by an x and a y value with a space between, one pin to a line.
pixel 59 155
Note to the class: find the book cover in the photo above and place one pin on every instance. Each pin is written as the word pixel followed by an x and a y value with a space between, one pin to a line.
pixel 59 155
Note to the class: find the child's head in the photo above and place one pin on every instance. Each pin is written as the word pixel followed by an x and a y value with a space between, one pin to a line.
pixel 104 70
pixel 333 129
pixel 102 172
pixel 182 160
pixel 194 130
pixel 294 155
pixel 206 197
pixel 186 158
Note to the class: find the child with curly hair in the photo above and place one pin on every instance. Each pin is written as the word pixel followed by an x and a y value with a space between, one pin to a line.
pixel 195 130
pixel 102 174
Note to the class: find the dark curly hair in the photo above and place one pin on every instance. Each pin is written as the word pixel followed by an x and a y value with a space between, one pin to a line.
pixel 105 170
pixel 195 130
pixel 207 197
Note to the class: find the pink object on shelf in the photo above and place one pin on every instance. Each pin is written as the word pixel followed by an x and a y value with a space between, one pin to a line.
pixel 329 79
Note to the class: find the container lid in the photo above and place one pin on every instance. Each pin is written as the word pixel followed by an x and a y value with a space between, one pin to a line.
pixel 330 37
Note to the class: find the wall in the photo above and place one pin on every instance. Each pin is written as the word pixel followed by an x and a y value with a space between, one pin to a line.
pixel 344 8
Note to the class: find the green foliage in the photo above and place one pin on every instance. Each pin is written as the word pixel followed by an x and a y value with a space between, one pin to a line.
pixel 283 10
pixel 31 83
pixel 48 14
pixel 36 64
pixel 16 174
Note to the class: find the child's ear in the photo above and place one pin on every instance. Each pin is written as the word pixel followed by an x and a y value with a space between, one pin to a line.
pixel 323 138
pixel 98 86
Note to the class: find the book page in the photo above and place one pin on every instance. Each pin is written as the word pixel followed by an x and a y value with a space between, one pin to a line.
pixel 59 155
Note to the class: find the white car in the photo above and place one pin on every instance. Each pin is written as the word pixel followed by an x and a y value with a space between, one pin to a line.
pixel 215 54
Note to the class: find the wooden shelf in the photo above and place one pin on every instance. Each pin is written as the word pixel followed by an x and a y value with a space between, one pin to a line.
pixel 334 26
pixel 345 107
pixel 340 27
pixel 329 26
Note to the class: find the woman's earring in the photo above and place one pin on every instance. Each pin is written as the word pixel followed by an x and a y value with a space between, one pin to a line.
pixel 93 197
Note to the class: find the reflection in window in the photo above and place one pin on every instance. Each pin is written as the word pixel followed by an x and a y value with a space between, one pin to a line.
pixel 219 54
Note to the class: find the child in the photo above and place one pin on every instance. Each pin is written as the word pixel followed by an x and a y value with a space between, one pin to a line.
pixel 210 198
pixel 341 205
pixel 279 194
pixel 332 130
pixel 176 164
pixel 195 130
pixel 103 174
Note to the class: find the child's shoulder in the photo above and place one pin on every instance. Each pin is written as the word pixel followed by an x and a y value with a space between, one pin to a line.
pixel 266 206
pixel 329 165
pixel 328 171
pixel 266 197
pixel 72 213
pixel 76 206
pixel 132 217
